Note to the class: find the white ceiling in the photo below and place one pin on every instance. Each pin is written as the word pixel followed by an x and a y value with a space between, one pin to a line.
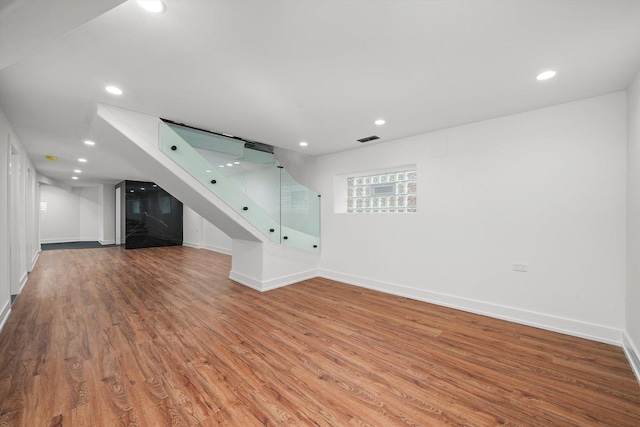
pixel 280 72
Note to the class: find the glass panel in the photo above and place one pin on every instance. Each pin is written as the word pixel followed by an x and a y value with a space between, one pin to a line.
pixel 203 165
pixel 300 214
pixel 251 182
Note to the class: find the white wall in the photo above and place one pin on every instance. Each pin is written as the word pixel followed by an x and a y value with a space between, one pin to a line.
pixel 24 229
pixel 106 214
pixel 545 188
pixel 5 285
pixel 71 216
pixel 299 165
pixel 632 337
pixel 200 233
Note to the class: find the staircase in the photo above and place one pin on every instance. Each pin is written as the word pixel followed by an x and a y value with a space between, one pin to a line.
pixel 273 221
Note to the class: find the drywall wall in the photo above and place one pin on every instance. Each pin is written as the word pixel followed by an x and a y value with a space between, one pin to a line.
pixel 5 285
pixel 544 188
pixel 19 231
pixel 70 216
pixel 89 205
pixel 200 233
pixel 632 321
pixel 299 165
pixel 107 214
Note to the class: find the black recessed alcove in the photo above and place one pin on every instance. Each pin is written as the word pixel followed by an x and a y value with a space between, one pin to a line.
pixel 150 216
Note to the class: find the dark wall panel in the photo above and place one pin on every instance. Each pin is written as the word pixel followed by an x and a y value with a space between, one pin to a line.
pixel 152 217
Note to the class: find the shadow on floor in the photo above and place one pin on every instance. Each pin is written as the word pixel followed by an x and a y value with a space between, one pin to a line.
pixel 73 245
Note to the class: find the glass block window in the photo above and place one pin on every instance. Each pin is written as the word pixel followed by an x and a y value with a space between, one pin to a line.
pixel 393 192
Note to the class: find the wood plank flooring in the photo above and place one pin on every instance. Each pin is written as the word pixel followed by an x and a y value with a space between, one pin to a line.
pixel 161 337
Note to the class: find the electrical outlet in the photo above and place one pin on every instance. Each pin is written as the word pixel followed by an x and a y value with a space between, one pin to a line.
pixel 520 267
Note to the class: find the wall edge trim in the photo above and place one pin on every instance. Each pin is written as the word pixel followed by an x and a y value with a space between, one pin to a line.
pixel 565 326
pixel 6 311
pixel 23 281
pixel 219 249
pixel 632 353
pixel 245 280
pixel 268 285
pixel 191 245
pixel 34 260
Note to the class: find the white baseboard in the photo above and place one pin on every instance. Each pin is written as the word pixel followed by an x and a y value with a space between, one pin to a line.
pixel 23 280
pixel 34 260
pixel 191 245
pixel 268 285
pixel 246 280
pixel 543 321
pixel 107 242
pixel 219 249
pixel 633 355
pixel 6 311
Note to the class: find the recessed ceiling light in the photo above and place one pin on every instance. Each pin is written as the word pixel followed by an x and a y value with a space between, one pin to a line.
pixel 155 186
pixel 130 191
pixel 82 160
pixel 77 171
pixel 74 177
pixel 153 6
pixel 208 171
pixel 114 90
pixel 142 188
pixel 88 142
pixel 304 144
pixel 379 122
pixel 52 158
pixel 545 75
pixel 220 166
pixel 229 164
pixel 236 163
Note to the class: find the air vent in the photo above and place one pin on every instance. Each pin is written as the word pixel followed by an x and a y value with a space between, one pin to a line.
pixel 369 138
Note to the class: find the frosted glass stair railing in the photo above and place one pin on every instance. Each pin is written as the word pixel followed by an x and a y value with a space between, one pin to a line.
pixel 250 181
pixel 299 213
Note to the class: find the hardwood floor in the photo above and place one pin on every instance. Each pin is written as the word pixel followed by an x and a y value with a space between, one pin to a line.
pixel 160 337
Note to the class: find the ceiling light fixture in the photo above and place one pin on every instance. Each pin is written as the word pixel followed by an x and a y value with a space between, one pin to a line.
pixel 546 75
pixel 304 144
pixel 74 177
pixel 153 6
pixel 229 164
pixel 114 90
pixel 88 142
pixel 82 160
pixel 379 122
pixel 52 158
pixel 236 163
pixel 77 171
pixel 208 171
